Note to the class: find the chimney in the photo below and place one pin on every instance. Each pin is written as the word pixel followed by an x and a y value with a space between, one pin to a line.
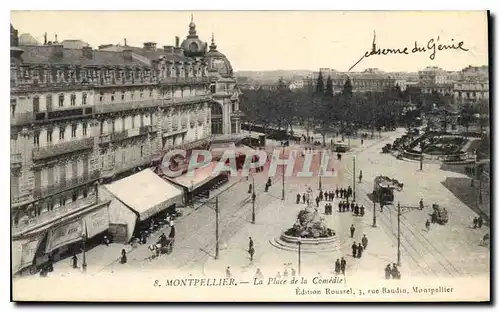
pixel 149 46
pixel 127 54
pixel 87 52
pixel 168 49
pixel 176 41
pixel 125 42
pixel 57 50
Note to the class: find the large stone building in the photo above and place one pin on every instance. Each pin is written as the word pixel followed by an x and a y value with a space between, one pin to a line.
pixel 472 86
pixel 372 80
pixel 81 117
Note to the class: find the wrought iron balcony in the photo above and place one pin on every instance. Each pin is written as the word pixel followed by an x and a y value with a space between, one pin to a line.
pixel 184 80
pixel 62 148
pixel 15 160
pixel 190 99
pixel 125 106
pixel 66 185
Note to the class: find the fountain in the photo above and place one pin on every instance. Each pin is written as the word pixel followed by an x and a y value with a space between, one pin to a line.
pixel 310 230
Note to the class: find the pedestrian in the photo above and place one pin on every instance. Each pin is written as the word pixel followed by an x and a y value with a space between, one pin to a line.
pixel 427 225
pixel 304 198
pixel 381 207
pixel 356 209
pixel 337 266
pixel 106 240
pixel 228 272
pixel 337 192
pixel 421 204
pixel 362 210
pixel 251 251
pixel 360 250
pixel 364 241
pixel 285 274
pixel 344 207
pixel 123 258
pixel 298 199
pixel 480 222
pixel 360 173
pixel 343 265
pixel 326 209
pixel 320 195
pixel 293 272
pixel 278 276
pixel 475 222
pixel 354 249
pixel 352 206
pixel 249 187
pixel 269 181
pixel 317 201
pixel 332 195
pixel 259 275
pixel 361 144
pixel 388 271
pixel 266 187
pixel 340 206
pixel 352 229
pixel 75 261
pixel 394 271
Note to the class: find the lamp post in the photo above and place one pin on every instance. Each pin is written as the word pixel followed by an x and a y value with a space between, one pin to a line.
pixel 216 228
pixel 84 237
pixel 299 242
pixel 283 175
pixel 320 171
pixel 354 177
pixel 374 216
pixel 253 200
pixel 399 234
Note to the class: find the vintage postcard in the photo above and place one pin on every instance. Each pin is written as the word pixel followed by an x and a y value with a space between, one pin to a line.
pixel 276 156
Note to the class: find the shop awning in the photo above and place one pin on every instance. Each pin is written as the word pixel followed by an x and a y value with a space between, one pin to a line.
pixel 145 193
pixel 193 180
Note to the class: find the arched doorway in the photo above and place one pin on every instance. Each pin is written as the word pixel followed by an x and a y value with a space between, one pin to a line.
pixel 217 121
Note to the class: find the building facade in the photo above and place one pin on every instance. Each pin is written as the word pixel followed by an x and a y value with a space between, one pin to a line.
pixel 472 86
pixel 369 80
pixel 81 117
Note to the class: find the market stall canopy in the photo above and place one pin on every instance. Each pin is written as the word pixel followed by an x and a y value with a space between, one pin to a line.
pixel 145 193
pixel 193 180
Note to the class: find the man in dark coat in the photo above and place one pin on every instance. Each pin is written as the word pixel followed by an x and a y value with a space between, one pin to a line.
pixel 352 206
pixel 394 271
pixel 337 192
pixel 364 241
pixel 317 201
pixel 337 266
pixel 480 222
pixel 362 210
pixel 474 221
pixel 342 265
pixel 360 250
pixel 298 199
pixel 320 195
pixel 75 261
pixel 354 249
pixel 352 229
pixel 250 243
pixel 304 198
pixel 388 271
pixel 356 209
pixel 340 206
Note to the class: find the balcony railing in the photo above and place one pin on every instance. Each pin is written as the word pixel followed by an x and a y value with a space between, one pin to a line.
pixel 119 107
pixel 190 99
pixel 186 80
pixel 26 222
pixel 15 160
pixel 62 148
pixel 66 185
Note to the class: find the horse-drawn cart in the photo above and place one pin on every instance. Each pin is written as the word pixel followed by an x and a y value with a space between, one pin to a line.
pixel 439 215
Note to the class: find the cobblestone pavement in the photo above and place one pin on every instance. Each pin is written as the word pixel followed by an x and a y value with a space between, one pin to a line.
pixel 444 251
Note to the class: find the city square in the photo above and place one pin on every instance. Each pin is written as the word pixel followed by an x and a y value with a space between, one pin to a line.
pixel 99 190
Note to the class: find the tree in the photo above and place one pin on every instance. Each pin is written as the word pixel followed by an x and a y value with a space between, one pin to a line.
pixel 466 117
pixel 320 85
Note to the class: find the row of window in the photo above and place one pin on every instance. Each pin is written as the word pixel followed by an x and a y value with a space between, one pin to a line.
pixel 141 94
pixel 61 98
pixel 62 132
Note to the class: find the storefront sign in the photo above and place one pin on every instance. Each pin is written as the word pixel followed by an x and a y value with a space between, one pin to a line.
pixel 63 235
pixel 97 222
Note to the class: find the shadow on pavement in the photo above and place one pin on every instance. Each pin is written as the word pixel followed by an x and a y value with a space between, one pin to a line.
pixel 460 187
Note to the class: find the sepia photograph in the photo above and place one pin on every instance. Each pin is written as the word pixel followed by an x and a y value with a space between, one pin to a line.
pixel 250 156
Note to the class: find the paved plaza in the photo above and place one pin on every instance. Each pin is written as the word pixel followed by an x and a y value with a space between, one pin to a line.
pixel 445 251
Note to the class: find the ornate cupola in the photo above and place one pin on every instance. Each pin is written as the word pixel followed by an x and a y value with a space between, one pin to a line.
pixel 192 45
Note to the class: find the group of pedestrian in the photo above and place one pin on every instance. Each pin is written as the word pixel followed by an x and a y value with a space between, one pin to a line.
pixel 392 272
pixel 478 222
pixel 305 198
pixel 328 209
pixel 343 193
pixel 357 250
pixel 340 266
pixel 359 210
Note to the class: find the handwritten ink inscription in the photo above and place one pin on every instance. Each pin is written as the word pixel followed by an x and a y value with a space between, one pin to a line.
pixel 433 45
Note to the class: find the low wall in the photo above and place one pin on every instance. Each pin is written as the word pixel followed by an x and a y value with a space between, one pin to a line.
pixel 308 241
pixel 460 157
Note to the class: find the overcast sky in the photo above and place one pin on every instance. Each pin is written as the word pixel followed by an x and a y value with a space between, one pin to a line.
pixel 269 40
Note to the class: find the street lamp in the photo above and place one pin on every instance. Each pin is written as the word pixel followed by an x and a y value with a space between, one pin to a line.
pixel 299 242
pixel 320 171
pixel 84 237
pixel 253 199
pixel 283 174
pixel 399 234
pixel 354 177
pixel 374 215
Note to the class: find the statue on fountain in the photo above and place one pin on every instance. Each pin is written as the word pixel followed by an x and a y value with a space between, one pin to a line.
pixel 309 224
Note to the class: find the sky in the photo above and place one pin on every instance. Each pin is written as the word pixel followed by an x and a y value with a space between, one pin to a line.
pixel 288 40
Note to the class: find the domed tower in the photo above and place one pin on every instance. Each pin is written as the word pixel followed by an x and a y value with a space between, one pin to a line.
pixel 192 45
pixel 225 110
pixel 218 62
